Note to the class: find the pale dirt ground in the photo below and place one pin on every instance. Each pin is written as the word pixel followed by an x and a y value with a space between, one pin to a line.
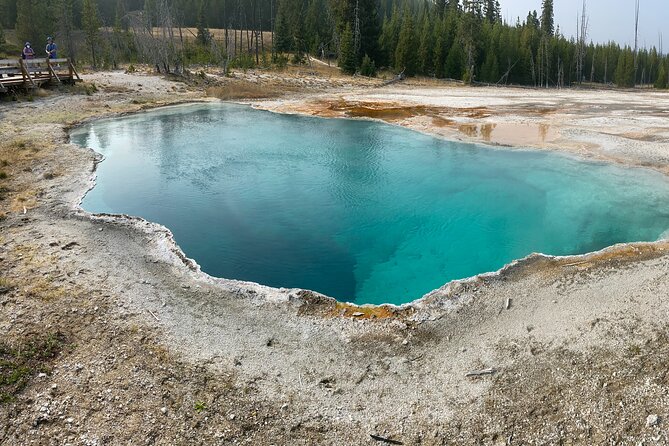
pixel 157 353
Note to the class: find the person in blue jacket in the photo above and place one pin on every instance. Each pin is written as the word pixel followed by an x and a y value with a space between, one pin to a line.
pixel 51 48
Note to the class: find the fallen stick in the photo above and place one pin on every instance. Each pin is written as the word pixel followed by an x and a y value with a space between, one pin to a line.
pixel 386 440
pixel 484 372
pixel 155 317
pixel 508 303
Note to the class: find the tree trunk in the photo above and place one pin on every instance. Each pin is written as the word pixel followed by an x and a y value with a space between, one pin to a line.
pixel 262 37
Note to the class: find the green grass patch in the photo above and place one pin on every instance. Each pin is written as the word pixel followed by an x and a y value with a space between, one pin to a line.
pixel 22 361
pixel 199 406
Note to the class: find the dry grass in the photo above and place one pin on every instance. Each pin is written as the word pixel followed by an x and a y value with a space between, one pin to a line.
pixel 315 68
pixel 24 200
pixel 45 290
pixel 245 90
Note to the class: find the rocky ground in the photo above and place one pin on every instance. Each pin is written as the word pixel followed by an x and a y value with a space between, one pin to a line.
pixel 111 336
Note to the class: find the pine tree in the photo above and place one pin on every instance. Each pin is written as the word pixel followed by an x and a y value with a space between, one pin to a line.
pixel 547 18
pixel 426 49
pixel 66 26
pixel 470 35
pixel 370 30
pixel 32 24
pixel 347 57
pixel 203 34
pixel 390 34
pixel 405 53
pixel 624 76
pixel 90 21
pixel 318 31
pixel 7 13
pixel 299 37
pixel 368 68
pixel 282 34
pixel 440 49
pixel 454 62
pixel 490 68
pixel 441 7
pixel 492 11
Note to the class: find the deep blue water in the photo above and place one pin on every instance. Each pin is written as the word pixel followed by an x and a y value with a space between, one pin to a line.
pixel 360 211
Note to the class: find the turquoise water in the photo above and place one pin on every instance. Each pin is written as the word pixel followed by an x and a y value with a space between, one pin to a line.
pixel 357 210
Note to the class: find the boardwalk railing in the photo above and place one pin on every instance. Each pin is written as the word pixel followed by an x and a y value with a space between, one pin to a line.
pixel 33 73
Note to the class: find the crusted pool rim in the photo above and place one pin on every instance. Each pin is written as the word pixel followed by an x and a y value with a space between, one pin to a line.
pixel 432 306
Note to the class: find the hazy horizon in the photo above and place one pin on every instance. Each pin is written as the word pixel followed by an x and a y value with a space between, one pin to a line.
pixel 606 22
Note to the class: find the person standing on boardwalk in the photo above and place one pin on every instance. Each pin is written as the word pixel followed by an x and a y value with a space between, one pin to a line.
pixel 51 48
pixel 28 51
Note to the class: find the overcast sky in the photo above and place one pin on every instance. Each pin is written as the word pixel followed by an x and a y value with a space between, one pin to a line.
pixel 609 19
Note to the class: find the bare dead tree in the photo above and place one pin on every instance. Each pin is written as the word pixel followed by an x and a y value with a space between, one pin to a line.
pixel 636 38
pixel 581 38
pixel 272 24
pixel 533 70
pixel 229 50
pixel 660 46
pixel 547 54
pixel 592 69
pixel 262 35
pixel 356 33
pixel 159 48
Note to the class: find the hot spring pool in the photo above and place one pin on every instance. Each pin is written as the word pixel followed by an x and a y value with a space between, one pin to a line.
pixel 358 210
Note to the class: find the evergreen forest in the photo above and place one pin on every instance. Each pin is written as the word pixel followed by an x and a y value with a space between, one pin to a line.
pixel 448 39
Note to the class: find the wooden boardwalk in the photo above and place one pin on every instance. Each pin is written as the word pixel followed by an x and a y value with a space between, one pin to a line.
pixel 34 73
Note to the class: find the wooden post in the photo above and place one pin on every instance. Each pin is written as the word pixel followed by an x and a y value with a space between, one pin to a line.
pixel 73 70
pixel 26 74
pixel 52 72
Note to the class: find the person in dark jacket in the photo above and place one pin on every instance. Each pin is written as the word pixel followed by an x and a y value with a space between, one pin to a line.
pixel 28 51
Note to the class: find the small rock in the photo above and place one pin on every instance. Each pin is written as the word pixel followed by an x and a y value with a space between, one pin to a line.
pixel 231 417
pixel 358 314
pixel 42 375
pixel 405 342
pixel 652 420
pixel 163 410
pixel 100 229
pixel 69 420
